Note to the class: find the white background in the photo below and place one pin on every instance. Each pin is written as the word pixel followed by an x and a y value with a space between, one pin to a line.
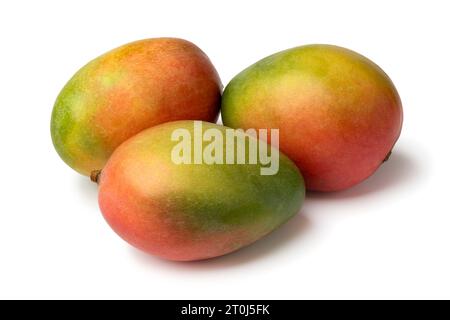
pixel 386 238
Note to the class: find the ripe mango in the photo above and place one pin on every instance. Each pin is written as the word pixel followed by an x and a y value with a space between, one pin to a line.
pixel 127 90
pixel 338 113
pixel 192 211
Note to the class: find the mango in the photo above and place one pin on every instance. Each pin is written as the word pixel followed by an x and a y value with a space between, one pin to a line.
pixel 184 212
pixel 129 89
pixel 338 113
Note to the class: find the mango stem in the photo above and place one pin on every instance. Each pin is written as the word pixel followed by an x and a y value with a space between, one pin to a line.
pixel 387 156
pixel 95 176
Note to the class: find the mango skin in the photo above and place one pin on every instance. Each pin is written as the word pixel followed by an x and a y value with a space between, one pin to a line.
pixel 338 113
pixel 192 212
pixel 127 90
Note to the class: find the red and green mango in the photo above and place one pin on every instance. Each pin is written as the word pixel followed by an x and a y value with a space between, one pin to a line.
pixel 190 212
pixel 127 90
pixel 338 113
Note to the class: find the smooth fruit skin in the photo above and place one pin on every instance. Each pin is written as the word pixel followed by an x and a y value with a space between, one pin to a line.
pixel 190 212
pixel 127 90
pixel 338 113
